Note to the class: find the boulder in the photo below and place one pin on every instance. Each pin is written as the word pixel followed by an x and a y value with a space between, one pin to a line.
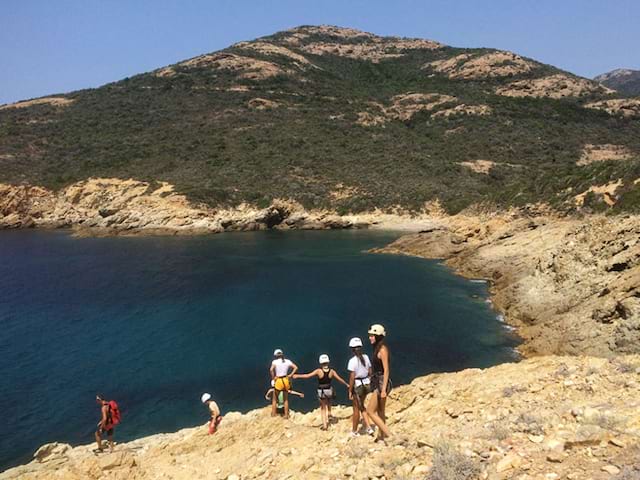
pixel 51 451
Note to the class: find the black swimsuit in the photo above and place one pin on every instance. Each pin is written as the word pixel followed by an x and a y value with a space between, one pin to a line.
pixel 377 376
pixel 324 385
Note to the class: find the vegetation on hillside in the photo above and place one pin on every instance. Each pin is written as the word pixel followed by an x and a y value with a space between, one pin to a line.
pixel 198 129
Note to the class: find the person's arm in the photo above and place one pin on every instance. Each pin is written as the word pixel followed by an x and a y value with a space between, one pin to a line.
pixel 335 375
pixel 267 395
pixel 294 369
pixel 105 413
pixel 306 375
pixel 215 410
pixel 299 394
pixel 383 355
pixel 272 371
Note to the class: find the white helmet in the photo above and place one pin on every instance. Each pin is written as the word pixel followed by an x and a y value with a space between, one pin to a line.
pixel 205 397
pixel 355 342
pixel 377 329
pixel 277 352
pixel 324 358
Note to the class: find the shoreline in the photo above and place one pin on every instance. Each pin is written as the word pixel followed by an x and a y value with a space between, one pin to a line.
pixel 568 286
pixel 114 207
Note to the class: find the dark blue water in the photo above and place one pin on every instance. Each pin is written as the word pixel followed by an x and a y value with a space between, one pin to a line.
pixel 155 322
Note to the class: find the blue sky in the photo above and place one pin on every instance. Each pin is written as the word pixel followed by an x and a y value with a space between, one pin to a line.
pixel 55 46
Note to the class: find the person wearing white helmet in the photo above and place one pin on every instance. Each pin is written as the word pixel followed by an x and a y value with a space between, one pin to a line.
pixel 325 391
pixel 282 370
pixel 380 380
pixel 214 411
pixel 359 367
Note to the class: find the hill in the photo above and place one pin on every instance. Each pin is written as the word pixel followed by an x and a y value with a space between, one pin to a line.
pixel 341 119
pixel 623 80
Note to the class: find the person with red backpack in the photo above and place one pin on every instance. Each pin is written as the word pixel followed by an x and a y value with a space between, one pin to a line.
pixel 109 419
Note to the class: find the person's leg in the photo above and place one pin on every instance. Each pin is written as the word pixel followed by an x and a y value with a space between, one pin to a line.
pixel 366 421
pixel 286 404
pixel 365 417
pixel 98 439
pixel 274 400
pixel 355 418
pixel 372 410
pixel 110 439
pixel 382 404
pixel 324 413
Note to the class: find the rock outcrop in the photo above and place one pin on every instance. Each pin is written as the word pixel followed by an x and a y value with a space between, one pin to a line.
pixel 108 206
pixel 625 107
pixel 543 418
pixel 405 106
pixel 553 86
pixel 489 65
pixel 569 285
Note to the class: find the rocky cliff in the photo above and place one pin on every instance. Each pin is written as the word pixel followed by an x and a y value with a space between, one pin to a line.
pixel 544 418
pixel 109 206
pixel 569 285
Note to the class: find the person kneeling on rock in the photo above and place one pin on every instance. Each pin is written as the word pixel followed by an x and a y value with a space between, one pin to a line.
pixel 280 397
pixel 214 410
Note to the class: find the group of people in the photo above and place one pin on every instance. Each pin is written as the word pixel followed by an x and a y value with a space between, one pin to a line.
pixel 368 386
pixel 368 379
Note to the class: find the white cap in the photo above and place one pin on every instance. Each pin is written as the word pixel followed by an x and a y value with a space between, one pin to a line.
pixel 355 342
pixel 205 397
pixel 324 358
pixel 277 351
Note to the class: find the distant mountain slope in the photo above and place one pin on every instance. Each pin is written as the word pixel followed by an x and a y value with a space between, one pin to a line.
pixel 335 117
pixel 623 80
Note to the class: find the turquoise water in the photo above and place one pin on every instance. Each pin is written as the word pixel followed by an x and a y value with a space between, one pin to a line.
pixel 155 322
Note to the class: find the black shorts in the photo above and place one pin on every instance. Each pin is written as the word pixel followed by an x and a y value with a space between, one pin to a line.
pixel 376 384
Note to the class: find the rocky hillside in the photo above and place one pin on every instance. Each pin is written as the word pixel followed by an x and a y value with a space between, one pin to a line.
pixel 569 285
pixel 544 418
pixel 623 80
pixel 335 118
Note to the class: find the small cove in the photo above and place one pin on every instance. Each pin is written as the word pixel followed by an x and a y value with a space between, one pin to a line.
pixel 155 321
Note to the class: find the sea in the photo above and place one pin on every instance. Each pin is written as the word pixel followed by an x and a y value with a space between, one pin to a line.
pixel 154 322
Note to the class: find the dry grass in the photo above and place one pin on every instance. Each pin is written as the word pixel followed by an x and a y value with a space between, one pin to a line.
pixel 450 464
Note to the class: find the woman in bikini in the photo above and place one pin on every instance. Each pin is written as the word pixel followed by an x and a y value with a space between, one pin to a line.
pixel 380 380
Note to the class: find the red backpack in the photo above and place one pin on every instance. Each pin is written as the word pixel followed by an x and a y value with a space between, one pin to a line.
pixel 114 413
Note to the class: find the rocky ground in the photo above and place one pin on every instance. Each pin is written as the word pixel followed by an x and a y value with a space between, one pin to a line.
pixel 569 285
pixel 544 418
